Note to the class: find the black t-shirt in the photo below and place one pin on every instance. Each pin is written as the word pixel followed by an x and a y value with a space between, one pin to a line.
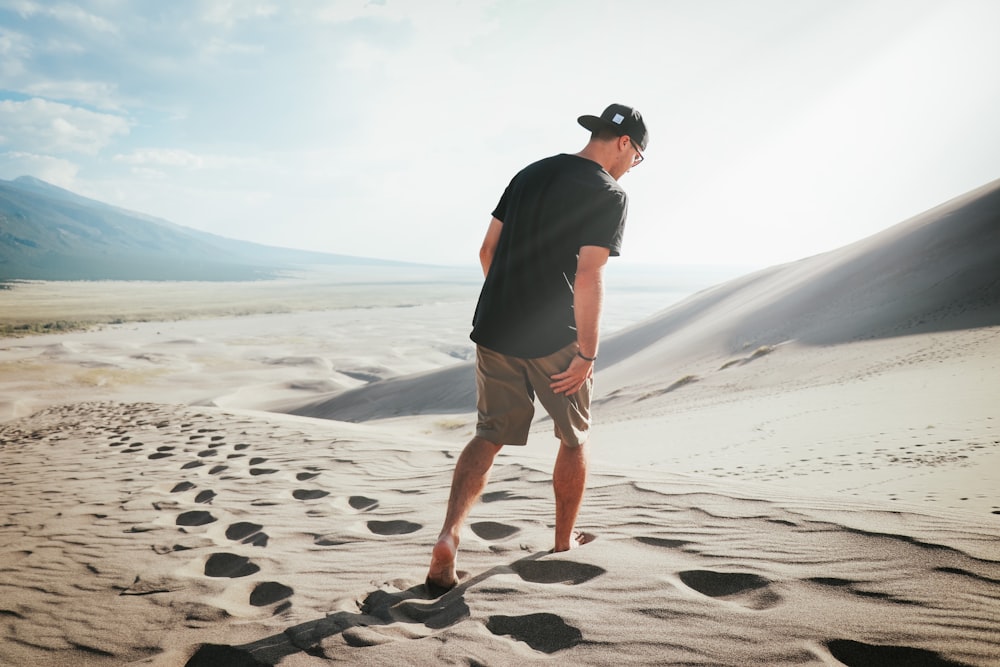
pixel 549 211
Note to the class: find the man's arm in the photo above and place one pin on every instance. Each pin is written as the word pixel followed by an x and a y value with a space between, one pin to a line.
pixel 588 298
pixel 489 247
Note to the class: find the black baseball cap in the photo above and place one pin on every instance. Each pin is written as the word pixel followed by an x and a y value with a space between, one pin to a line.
pixel 621 119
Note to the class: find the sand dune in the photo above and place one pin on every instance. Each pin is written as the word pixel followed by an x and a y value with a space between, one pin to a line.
pixel 939 271
pixel 798 467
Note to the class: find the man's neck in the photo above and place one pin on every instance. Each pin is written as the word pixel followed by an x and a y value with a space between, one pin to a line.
pixel 594 154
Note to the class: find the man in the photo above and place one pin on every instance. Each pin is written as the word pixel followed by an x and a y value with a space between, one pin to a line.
pixel 537 320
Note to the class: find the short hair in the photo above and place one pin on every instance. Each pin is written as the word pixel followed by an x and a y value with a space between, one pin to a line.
pixel 604 134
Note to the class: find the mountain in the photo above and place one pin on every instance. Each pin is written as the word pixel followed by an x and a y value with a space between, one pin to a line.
pixel 48 233
pixel 937 271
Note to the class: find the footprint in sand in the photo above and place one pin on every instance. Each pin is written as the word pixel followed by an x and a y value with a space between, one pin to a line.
pixel 195 518
pixel 749 590
pixel 362 503
pixel 437 615
pixel 662 542
pixel 492 530
pixel 262 471
pixel 230 566
pixel 269 592
pixel 183 486
pixel 216 655
pixel 496 496
pixel 257 540
pixel 306 476
pixel 556 571
pixel 205 496
pixel 192 464
pixel 248 533
pixel 857 654
pixel 238 531
pixel 309 494
pixel 395 527
pixel 543 632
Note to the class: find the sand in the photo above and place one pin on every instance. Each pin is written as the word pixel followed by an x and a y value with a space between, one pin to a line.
pixel 141 532
pixel 798 467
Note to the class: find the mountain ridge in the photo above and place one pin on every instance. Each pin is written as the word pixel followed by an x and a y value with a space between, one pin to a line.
pixel 49 233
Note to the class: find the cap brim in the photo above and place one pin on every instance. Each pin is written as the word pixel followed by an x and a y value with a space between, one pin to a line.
pixel 593 123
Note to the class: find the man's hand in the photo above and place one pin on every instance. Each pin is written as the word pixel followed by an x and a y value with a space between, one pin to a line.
pixel 570 380
pixel 588 296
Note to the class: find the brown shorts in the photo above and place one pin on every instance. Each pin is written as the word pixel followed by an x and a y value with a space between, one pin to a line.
pixel 506 388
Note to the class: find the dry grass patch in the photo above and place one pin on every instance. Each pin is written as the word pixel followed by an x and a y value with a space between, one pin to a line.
pixel 450 424
pixel 761 351
pixel 106 378
pixel 686 380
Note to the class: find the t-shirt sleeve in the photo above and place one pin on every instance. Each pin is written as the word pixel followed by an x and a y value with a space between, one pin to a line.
pixel 604 225
pixel 500 212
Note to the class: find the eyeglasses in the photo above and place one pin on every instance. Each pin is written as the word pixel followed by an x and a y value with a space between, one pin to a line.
pixel 638 154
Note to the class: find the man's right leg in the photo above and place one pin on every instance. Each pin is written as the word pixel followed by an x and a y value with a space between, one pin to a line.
pixel 569 481
pixel 571 418
pixel 472 471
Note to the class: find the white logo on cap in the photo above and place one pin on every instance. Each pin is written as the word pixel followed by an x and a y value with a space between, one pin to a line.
pixel 617 120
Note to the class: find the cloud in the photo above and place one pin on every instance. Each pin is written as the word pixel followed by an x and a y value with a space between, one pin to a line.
pixel 162 157
pixel 187 169
pixel 41 126
pixel 229 12
pixel 217 47
pixel 14 49
pixel 351 10
pixel 54 170
pixel 63 12
pixel 97 94
pixel 183 159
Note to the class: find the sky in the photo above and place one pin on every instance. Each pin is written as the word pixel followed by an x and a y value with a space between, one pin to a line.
pixel 779 129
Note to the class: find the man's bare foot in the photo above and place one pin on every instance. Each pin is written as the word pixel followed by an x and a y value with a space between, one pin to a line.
pixel 441 576
pixel 577 539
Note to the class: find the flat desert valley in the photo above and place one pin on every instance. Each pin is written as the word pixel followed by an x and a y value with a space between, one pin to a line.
pixel 796 466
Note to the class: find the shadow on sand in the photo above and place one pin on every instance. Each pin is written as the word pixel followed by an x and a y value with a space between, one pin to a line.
pixel 543 632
